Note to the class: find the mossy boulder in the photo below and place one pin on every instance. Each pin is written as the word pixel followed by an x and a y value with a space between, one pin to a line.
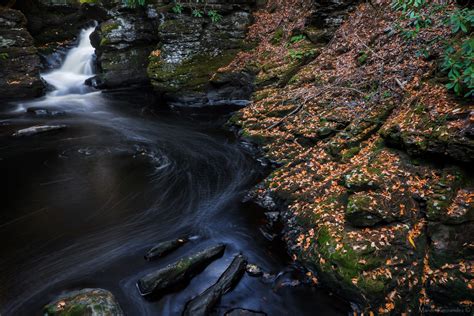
pixel 177 273
pixel 96 302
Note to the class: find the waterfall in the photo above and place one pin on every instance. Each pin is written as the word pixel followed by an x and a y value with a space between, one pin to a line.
pixel 77 67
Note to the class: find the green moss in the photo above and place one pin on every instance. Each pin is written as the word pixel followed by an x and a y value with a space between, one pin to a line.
pixel 277 36
pixel 362 59
pixel 71 310
pixel 420 108
pixel 192 74
pixel 234 119
pixel 104 41
pixel 345 259
pixel 76 310
pixel 371 286
pixel 351 152
pixel 357 203
pixel 108 27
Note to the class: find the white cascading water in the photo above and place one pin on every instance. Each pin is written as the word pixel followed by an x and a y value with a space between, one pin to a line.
pixel 77 67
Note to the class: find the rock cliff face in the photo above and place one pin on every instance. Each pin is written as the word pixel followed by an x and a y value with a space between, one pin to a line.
pixel 123 44
pixel 177 53
pixel 19 61
pixel 55 25
pixel 192 49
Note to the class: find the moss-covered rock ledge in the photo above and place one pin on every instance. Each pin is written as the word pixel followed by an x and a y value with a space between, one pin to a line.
pixel 192 49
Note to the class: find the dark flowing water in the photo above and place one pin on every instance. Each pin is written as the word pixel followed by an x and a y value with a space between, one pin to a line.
pixel 80 206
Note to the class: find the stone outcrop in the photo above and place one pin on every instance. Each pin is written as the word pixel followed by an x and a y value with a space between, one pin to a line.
pixel 19 61
pixel 177 53
pixel 96 302
pixel 123 44
pixel 192 49
pixel 55 24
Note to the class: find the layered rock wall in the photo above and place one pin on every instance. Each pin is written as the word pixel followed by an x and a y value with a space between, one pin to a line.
pixel 19 61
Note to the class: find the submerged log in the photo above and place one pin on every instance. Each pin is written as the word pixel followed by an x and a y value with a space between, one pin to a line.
pixel 164 248
pixel 179 272
pixel 204 302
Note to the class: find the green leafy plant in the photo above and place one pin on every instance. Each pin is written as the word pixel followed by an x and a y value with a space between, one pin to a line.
pixel 297 38
pixel 301 54
pixel 4 56
pixel 198 13
pixel 197 8
pixel 458 53
pixel 134 3
pixel 178 8
pixel 458 63
pixel 214 15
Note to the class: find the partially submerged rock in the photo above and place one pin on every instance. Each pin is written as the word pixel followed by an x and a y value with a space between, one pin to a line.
pixel 179 272
pixel 39 129
pixel 97 302
pixel 243 312
pixel 165 247
pixel 203 303
pixel 253 270
pixel 39 111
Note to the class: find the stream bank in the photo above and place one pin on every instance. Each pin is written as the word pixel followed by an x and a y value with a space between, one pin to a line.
pixel 372 181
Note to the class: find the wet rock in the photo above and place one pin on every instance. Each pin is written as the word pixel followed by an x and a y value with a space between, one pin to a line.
pixel 272 217
pixel 357 180
pixel 164 248
pixel 243 312
pixel 184 65
pixel 329 14
pixel 40 129
pixel 179 272
pixel 254 270
pixel 440 144
pixel 19 60
pixel 123 44
pixel 450 243
pixel 360 213
pixel 204 302
pixel 38 111
pixel 96 302
pixel 450 258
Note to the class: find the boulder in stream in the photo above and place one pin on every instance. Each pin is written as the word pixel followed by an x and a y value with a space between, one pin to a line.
pixel 178 272
pixel 165 247
pixel 254 270
pixel 204 302
pixel 97 302
pixel 39 129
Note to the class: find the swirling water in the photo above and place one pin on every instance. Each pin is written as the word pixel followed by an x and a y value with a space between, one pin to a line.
pixel 81 206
